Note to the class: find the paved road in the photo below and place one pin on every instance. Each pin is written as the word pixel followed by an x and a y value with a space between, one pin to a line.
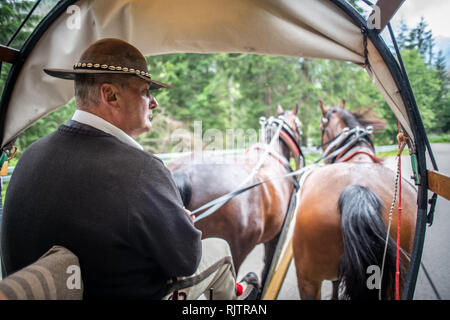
pixel 436 255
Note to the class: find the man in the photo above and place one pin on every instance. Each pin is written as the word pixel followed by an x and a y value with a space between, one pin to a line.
pixel 91 188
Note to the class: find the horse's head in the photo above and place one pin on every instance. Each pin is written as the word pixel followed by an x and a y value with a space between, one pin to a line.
pixel 292 121
pixel 336 120
pixel 289 134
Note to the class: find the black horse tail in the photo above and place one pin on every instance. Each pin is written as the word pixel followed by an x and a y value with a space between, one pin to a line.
pixel 364 236
pixel 183 183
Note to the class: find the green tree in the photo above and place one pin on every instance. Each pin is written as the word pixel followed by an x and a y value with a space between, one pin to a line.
pixel 425 84
pixel 402 34
pixel 12 13
pixel 441 102
pixel 421 39
pixel 45 125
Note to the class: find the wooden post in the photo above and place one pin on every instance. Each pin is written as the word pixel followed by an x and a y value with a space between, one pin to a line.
pixel 280 273
pixel 388 8
pixel 8 54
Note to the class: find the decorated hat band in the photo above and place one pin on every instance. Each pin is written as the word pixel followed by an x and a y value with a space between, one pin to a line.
pixel 98 66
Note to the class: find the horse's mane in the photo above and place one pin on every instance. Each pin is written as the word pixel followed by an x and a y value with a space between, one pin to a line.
pixel 360 118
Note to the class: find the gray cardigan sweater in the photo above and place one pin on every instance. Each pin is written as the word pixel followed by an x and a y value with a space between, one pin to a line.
pixel 116 207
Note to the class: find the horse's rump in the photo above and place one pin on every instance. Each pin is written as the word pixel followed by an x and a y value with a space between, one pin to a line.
pixel 319 242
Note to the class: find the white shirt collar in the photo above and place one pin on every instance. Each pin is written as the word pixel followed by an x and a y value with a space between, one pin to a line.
pixel 105 126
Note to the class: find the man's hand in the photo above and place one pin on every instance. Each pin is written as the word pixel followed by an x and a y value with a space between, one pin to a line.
pixel 189 214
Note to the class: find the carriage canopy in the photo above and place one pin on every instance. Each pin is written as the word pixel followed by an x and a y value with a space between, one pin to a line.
pixel 298 28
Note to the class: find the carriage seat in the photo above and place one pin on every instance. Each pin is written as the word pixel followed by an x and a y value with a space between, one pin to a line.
pixel 54 276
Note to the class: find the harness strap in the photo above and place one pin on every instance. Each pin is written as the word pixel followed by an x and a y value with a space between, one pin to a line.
pixel 348 138
pixel 337 141
pixel 223 199
pixel 285 137
pixel 351 155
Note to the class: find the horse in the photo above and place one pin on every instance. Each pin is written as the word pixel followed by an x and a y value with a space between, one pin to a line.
pixel 255 216
pixel 342 216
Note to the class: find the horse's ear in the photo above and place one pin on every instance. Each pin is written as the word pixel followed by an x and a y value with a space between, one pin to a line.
pixel 322 107
pixel 295 111
pixel 279 109
pixel 342 104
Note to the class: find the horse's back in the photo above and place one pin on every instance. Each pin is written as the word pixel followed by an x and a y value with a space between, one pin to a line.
pixel 318 236
pixel 327 183
pixel 208 179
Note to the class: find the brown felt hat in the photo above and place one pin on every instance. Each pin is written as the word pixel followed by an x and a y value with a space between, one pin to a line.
pixel 110 56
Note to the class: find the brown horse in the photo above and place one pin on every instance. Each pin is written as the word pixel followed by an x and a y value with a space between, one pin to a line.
pixel 342 216
pixel 255 216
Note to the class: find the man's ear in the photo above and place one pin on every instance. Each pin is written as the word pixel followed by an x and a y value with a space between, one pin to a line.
pixel 108 94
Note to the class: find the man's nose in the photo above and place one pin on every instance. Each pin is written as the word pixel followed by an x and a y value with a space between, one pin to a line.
pixel 153 104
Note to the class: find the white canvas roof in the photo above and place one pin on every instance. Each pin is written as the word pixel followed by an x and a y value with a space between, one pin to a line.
pixel 299 28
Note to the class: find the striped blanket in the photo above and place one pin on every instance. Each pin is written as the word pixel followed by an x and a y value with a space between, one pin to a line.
pixel 54 276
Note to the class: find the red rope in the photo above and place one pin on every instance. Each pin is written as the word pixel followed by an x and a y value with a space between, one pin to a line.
pixel 397 274
pixel 340 155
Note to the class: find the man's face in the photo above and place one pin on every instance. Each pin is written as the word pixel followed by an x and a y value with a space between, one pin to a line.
pixel 136 105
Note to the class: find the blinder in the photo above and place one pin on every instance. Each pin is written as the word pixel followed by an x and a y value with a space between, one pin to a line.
pixel 291 137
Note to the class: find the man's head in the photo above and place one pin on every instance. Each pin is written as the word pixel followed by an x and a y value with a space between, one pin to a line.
pixel 112 81
pixel 125 101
